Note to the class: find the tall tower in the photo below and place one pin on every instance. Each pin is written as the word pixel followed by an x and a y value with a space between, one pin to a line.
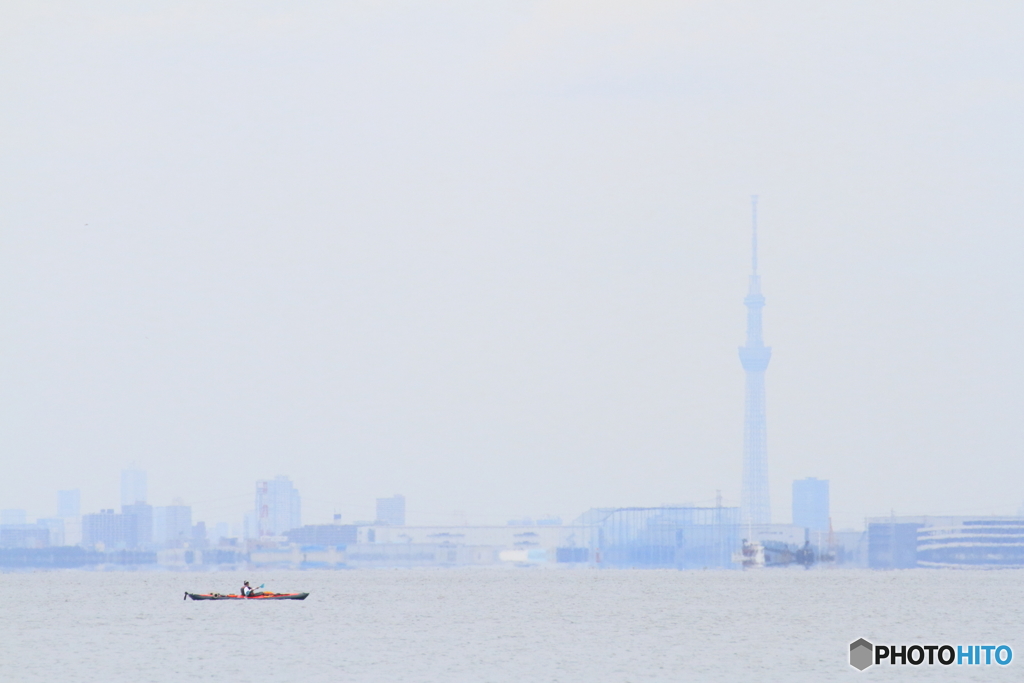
pixel 755 506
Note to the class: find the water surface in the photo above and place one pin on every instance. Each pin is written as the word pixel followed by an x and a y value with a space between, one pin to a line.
pixel 499 625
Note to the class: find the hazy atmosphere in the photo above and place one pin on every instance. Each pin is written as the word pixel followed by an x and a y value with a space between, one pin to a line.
pixel 492 256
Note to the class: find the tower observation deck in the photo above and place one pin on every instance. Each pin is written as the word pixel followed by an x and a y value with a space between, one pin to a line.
pixel 755 505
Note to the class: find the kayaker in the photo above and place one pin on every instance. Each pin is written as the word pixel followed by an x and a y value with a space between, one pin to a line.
pixel 246 589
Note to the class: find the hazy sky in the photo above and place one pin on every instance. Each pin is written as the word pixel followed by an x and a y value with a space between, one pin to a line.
pixel 493 255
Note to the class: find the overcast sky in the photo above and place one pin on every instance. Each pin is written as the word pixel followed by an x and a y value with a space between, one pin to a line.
pixel 493 255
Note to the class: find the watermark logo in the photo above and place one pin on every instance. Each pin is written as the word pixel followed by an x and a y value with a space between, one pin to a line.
pixel 863 654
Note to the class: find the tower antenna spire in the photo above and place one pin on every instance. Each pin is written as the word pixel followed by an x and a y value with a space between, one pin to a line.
pixel 753 234
pixel 754 356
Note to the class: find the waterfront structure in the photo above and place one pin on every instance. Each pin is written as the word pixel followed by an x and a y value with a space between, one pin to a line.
pixel 810 504
pixel 662 537
pixel 70 557
pixel 324 534
pixel 907 542
pixel 754 356
pixel 386 545
pixel 133 486
pixel 391 510
pixel 423 555
pixel 501 536
pixel 278 506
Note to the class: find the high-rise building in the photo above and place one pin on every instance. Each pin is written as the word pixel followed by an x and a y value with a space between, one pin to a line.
pixel 69 509
pixel 278 506
pixel 143 514
pixel 172 525
pixel 133 486
pixel 391 510
pixel 69 503
pixel 109 531
pixel 810 503
pixel 755 504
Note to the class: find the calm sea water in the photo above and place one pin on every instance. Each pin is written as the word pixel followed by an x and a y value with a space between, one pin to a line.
pixel 500 625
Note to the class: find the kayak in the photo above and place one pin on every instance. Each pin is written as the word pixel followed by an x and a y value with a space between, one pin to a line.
pixel 255 596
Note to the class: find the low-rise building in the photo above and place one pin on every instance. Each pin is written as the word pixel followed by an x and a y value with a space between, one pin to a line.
pixel 24 536
pixel 945 542
pixel 419 555
pixel 324 534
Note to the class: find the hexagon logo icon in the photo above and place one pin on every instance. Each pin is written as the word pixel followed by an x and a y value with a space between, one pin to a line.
pixel 861 654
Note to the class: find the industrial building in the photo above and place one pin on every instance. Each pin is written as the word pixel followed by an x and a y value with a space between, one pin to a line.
pixel 676 537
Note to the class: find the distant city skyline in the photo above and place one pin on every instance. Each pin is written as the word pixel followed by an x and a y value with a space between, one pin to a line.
pixel 492 257
pixel 680 536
